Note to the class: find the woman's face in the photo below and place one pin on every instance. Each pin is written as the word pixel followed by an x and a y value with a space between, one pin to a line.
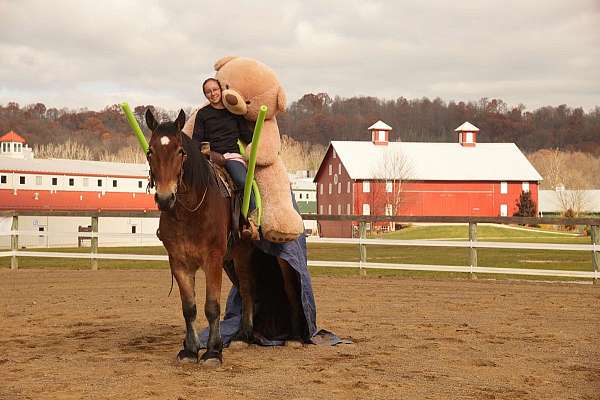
pixel 212 91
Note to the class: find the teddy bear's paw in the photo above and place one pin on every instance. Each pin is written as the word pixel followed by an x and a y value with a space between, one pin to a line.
pixel 280 237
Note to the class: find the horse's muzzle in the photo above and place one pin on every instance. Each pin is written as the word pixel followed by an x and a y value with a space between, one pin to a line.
pixel 165 202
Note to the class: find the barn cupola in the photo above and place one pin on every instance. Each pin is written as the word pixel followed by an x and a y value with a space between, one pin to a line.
pixel 380 133
pixel 467 134
pixel 14 146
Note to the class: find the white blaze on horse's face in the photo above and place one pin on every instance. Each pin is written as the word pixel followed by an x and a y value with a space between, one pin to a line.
pixel 164 140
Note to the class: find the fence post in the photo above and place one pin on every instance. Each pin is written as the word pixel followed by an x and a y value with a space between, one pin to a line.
pixel 363 247
pixel 595 256
pixel 14 242
pixel 472 239
pixel 94 242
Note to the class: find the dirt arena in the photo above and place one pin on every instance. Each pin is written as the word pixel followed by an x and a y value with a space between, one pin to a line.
pixel 115 334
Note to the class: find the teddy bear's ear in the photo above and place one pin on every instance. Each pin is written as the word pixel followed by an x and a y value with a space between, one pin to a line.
pixel 281 100
pixel 219 63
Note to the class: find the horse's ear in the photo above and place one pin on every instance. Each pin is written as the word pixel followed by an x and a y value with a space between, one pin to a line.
pixel 150 120
pixel 180 121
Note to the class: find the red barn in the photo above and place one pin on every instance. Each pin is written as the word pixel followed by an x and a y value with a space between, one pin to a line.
pixel 380 177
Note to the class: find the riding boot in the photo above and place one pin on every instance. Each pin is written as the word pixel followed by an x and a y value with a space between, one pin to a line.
pixel 250 228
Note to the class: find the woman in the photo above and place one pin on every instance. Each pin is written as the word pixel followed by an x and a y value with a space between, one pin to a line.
pixel 222 129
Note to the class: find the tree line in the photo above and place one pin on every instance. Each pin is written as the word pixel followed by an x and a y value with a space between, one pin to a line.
pixel 317 118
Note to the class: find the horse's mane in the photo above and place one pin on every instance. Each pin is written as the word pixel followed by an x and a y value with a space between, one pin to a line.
pixel 196 172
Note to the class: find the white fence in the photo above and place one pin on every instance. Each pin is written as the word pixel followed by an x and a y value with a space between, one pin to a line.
pixel 593 248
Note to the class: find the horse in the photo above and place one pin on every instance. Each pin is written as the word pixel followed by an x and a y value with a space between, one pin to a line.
pixel 196 225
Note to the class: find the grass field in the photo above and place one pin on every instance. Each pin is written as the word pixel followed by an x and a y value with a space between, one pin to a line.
pixel 504 258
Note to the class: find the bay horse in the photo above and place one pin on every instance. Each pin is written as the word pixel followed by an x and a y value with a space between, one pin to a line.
pixel 196 223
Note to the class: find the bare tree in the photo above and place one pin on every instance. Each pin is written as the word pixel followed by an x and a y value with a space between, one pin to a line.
pixel 391 172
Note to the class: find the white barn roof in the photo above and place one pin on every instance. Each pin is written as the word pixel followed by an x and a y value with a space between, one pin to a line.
pixel 380 126
pixel 437 161
pixel 467 126
pixel 77 167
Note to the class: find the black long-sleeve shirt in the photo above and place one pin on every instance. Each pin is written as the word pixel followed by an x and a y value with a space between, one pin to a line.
pixel 221 128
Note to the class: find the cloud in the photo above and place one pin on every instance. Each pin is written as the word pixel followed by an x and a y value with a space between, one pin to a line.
pixel 91 54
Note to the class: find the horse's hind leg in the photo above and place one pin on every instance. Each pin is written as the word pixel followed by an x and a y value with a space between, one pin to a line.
pixel 242 259
pixel 213 357
pixel 290 285
pixel 186 282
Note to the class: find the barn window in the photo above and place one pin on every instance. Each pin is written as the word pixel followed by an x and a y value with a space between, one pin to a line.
pixel 340 169
pixel 503 210
pixel 22 180
pixel 366 209
pixel 348 187
pixel 38 180
pixel 86 182
pixel 525 186
pixel 382 136
pixel 329 209
pixel 3 179
pixel 321 209
pixel 330 188
pixel 321 189
pixel 54 181
pixel 339 209
pixel 348 208
pixel 388 209
pixel 99 182
pixel 388 186
pixel 114 183
pixel 71 181
pixel 340 188
pixel 329 169
pixel 140 184
pixel 335 178
pixel 333 154
pixel 366 187
pixel 503 187
pixel 469 137
pixel 300 196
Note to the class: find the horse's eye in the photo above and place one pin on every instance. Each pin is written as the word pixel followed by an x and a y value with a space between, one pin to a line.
pixel 182 152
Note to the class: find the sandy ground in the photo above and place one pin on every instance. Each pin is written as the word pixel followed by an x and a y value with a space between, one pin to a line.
pixel 115 334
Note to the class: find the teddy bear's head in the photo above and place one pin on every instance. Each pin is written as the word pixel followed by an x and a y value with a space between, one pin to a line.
pixel 247 84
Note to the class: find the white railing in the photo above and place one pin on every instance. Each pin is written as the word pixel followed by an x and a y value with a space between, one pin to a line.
pixel 361 242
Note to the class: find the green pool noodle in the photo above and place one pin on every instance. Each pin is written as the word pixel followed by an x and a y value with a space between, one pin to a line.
pixel 135 126
pixel 251 164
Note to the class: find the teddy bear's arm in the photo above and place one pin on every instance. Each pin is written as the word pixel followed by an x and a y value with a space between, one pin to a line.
pixel 269 145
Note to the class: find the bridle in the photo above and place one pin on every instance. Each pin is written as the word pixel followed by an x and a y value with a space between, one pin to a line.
pixel 180 182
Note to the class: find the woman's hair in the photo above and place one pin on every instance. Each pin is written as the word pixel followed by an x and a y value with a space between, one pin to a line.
pixel 208 80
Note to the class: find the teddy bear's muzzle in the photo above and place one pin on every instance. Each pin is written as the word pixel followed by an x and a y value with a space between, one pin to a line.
pixel 234 102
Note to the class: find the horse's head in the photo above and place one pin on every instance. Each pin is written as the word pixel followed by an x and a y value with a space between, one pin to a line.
pixel 166 157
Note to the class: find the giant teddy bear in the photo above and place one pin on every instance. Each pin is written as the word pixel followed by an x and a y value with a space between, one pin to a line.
pixel 246 85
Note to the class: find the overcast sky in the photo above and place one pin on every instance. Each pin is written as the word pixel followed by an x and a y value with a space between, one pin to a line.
pixel 96 53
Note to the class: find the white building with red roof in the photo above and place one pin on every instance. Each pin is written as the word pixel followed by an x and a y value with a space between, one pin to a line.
pixel 30 184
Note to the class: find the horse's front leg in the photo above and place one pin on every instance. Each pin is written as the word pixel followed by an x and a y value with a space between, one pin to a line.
pixel 213 356
pixel 186 280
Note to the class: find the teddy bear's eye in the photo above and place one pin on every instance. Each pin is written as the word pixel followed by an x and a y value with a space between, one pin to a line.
pixel 226 86
pixel 247 101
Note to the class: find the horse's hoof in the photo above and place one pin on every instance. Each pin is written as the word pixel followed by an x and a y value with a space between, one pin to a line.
pixel 296 344
pixel 238 344
pixel 187 357
pixel 212 363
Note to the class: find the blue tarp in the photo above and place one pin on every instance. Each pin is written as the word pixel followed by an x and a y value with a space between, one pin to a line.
pixel 269 311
